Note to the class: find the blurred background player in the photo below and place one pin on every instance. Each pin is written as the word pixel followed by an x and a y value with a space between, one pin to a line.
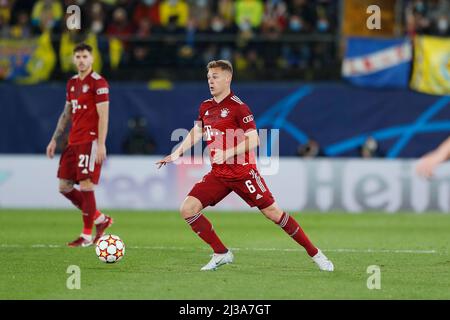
pixel 230 131
pixel 87 107
pixel 429 162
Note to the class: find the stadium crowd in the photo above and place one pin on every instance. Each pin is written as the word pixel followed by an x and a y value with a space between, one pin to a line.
pixel 257 35
pixel 191 32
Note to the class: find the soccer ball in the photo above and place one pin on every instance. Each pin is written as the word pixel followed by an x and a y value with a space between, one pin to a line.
pixel 110 248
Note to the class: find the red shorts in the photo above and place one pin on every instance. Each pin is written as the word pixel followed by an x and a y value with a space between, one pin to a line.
pixel 77 163
pixel 251 189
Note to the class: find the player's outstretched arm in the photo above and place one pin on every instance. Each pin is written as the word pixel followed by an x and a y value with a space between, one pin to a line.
pixel 191 139
pixel 103 116
pixel 63 120
pixel 428 163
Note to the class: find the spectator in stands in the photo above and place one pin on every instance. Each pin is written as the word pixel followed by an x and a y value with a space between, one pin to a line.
pixel 6 11
pixel 120 26
pixel 201 11
pixel 138 139
pixel 439 14
pixel 430 17
pixel 141 49
pixel 21 29
pixel 4 27
pixel 97 17
pixel 174 8
pixel 304 13
pixel 225 9
pixel 249 14
pixel 147 9
pixel 370 149
pixel 310 149
pixel 217 26
pixel 47 14
pixel 276 12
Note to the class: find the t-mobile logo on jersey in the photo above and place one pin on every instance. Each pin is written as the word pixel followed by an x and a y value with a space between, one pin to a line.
pixel 208 130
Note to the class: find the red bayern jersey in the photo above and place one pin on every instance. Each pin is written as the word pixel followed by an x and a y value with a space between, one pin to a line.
pixel 83 95
pixel 224 127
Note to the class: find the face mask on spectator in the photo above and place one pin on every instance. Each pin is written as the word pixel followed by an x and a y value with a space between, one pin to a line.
pixel 149 2
pixel 322 25
pixel 217 26
pixel 202 3
pixel 245 26
pixel 97 26
pixel 295 25
pixel 419 6
pixel 443 25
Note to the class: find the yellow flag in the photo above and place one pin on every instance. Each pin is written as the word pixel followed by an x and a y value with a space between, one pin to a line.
pixel 42 61
pixel 431 69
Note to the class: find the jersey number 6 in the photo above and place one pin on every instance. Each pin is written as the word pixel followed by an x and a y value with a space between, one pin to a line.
pixel 250 186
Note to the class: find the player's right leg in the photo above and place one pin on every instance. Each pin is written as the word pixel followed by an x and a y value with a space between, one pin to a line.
pixel 207 192
pixel 254 191
pixel 67 189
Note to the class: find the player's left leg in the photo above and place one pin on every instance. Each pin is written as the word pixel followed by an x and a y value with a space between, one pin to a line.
pixel 293 229
pixel 255 192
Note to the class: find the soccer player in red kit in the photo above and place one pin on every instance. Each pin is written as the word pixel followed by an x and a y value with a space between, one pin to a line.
pixel 87 107
pixel 228 126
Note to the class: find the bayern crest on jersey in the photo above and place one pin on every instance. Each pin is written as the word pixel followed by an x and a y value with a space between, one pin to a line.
pixel 224 112
pixel 85 88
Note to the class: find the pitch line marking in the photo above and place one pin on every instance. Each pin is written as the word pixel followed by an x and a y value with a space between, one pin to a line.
pixel 341 250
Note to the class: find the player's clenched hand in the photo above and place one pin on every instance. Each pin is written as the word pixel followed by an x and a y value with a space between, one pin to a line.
pixel 427 164
pixel 170 158
pixel 101 154
pixel 51 149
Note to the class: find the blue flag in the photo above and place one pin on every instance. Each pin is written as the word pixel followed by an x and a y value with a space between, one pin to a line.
pixel 377 62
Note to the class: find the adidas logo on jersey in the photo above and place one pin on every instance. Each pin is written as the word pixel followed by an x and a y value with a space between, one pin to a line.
pixel 84 171
pixel 236 99
pixel 207 113
pixel 258 196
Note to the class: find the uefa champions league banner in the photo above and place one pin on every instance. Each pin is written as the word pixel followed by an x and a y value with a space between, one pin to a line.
pixel 351 185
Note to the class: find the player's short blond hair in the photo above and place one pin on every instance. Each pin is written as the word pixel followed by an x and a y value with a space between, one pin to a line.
pixel 222 64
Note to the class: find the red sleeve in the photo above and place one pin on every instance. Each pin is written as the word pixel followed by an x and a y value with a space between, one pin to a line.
pixel 68 92
pixel 244 118
pixel 200 115
pixel 101 91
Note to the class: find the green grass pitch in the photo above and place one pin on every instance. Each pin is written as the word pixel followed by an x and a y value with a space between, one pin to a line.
pixel 163 257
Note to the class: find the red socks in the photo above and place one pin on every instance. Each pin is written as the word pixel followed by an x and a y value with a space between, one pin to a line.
pixel 89 209
pixel 293 229
pixel 75 196
pixel 205 230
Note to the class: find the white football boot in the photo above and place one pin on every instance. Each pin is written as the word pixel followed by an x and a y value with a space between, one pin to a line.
pixel 322 262
pixel 217 260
